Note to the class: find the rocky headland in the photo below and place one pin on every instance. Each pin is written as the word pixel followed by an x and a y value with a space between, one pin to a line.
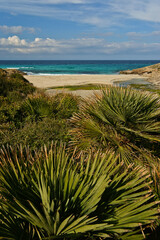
pixel 152 72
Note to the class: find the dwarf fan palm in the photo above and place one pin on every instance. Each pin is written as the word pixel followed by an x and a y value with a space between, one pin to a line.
pixel 36 107
pixel 40 106
pixel 47 194
pixel 121 119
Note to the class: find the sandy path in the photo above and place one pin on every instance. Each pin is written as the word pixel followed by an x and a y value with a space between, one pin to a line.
pixel 82 93
pixel 65 80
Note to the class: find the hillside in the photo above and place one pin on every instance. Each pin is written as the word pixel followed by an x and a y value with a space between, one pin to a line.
pixel 13 84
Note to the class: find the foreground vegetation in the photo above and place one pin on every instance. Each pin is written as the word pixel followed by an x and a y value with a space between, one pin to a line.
pixel 48 195
pixel 105 184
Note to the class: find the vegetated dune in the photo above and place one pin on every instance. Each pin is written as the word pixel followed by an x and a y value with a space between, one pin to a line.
pixel 9 72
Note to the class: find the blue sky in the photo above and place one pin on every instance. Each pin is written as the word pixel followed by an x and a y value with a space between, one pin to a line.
pixel 79 29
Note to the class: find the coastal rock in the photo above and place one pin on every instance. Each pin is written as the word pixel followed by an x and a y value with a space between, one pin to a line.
pixel 152 72
pixel 145 71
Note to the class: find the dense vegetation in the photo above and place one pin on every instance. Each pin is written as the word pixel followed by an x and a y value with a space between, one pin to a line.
pixel 48 195
pixel 104 185
pixel 29 117
pixel 122 120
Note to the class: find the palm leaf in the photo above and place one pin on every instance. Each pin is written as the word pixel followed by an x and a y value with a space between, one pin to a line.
pixel 59 198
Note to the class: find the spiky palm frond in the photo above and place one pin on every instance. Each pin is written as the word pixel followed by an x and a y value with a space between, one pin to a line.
pixel 122 119
pixel 153 166
pixel 41 106
pixel 61 199
pixel 15 228
pixel 65 104
pixel 36 107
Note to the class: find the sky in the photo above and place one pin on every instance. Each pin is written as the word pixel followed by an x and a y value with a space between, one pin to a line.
pixel 80 29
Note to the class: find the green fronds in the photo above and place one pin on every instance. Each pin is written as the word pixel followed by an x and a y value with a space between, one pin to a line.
pixel 36 107
pixel 41 106
pixel 119 119
pixel 47 195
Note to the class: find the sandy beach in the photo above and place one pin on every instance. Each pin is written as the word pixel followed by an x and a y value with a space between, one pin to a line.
pixel 49 81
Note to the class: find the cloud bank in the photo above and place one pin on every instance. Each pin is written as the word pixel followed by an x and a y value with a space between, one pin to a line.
pixel 85 46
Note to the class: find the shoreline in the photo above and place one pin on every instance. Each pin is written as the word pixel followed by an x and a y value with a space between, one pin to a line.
pixel 49 81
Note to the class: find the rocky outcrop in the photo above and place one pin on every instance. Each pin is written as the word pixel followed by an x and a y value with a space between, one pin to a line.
pixel 145 71
pixel 152 73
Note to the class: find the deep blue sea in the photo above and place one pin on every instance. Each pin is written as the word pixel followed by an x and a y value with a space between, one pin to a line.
pixel 75 67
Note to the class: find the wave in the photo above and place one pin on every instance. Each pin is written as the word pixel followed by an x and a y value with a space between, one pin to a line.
pixel 29 73
pixel 26 67
pixel 45 74
pixel 12 68
pixel 63 74
pixel 51 74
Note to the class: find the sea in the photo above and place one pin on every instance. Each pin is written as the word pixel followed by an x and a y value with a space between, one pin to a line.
pixel 49 67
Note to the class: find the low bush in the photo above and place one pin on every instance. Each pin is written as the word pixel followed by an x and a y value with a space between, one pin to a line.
pixel 14 83
pixel 64 105
pixel 35 134
pixel 35 108
pixel 39 106
pixel 14 88
pixel 33 119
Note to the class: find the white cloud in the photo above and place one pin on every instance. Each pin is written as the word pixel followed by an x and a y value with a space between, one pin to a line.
pixel 13 42
pixel 48 45
pixel 95 12
pixel 84 46
pixel 147 10
pixel 51 2
pixel 16 29
pixel 141 34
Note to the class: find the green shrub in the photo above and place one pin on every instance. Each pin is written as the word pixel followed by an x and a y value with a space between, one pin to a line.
pixel 15 83
pixel 64 105
pixel 35 134
pixel 47 194
pixel 37 120
pixel 121 119
pixel 35 108
pixel 39 106
pixel 8 112
pixel 14 89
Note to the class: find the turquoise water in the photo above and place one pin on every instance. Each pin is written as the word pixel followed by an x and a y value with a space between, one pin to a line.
pixel 74 67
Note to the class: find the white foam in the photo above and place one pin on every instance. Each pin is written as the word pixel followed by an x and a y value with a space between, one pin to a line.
pixel 27 67
pixel 12 68
pixel 52 74
pixel 29 73
pixel 57 74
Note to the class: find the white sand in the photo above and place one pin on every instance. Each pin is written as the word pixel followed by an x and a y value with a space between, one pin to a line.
pixel 49 81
